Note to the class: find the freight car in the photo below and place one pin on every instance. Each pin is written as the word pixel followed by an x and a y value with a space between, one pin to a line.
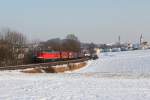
pixel 49 56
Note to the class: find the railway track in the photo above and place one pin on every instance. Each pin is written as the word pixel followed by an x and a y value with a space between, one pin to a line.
pixel 49 64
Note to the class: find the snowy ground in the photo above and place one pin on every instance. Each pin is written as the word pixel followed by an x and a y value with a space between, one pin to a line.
pixel 115 76
pixel 124 62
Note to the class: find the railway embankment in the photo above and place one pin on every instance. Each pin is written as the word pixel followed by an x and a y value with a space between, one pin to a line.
pixel 49 65
pixel 56 69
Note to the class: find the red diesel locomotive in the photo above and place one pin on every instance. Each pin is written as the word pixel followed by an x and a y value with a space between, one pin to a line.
pixel 49 56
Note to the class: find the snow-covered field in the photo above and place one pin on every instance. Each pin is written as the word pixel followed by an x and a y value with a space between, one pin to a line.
pixel 114 76
pixel 137 62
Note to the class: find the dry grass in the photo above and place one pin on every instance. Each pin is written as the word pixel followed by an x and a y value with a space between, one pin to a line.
pixel 73 67
pixel 33 70
pixel 60 69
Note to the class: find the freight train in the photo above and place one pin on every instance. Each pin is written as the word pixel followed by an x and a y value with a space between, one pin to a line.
pixel 49 56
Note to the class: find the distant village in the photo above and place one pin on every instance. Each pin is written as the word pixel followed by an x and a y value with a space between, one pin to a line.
pixel 117 47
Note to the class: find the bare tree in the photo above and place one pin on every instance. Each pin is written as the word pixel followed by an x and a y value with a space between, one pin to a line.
pixel 15 38
pixel 54 44
pixel 12 44
pixel 4 52
pixel 71 43
pixel 72 37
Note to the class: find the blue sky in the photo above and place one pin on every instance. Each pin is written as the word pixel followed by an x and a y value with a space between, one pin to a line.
pixel 99 21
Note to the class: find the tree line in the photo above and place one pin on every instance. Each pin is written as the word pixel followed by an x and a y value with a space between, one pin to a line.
pixel 70 43
pixel 14 49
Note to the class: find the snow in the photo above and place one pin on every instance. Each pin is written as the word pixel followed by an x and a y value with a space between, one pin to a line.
pixel 114 76
pixel 137 62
